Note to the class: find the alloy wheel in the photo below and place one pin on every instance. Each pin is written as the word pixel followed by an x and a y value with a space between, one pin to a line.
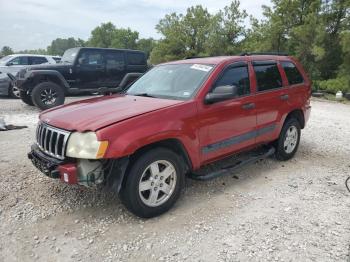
pixel 291 139
pixel 157 183
pixel 48 96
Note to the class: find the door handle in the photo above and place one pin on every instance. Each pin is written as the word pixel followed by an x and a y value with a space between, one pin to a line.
pixel 284 97
pixel 248 106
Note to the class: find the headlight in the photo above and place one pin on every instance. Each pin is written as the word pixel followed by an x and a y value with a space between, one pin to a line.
pixel 86 145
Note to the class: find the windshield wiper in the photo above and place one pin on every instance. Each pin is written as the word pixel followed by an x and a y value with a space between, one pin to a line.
pixel 143 94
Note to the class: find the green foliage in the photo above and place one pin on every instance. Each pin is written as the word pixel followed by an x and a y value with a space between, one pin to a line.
pixel 334 85
pixel 6 50
pixel 146 45
pixel 59 45
pixel 39 51
pixel 199 33
pixel 107 35
pixel 316 32
pixel 102 36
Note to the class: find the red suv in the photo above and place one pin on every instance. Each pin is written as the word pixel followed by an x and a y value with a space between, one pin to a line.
pixel 174 121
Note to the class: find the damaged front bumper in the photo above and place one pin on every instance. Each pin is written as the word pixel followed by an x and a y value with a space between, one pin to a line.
pixel 71 171
pixel 46 164
pixel 80 171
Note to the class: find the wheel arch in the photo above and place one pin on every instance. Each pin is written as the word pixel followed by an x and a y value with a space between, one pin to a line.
pixel 50 76
pixel 172 144
pixel 298 115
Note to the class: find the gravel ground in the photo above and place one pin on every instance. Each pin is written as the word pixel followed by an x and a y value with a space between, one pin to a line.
pixel 269 211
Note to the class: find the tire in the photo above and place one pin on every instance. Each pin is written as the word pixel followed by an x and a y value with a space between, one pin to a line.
pixel 47 95
pixel 288 141
pixel 141 202
pixel 14 92
pixel 26 98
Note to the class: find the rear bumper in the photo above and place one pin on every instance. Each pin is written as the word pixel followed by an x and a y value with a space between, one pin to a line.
pixel 4 88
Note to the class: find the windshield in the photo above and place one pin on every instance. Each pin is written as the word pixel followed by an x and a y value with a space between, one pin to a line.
pixel 69 55
pixel 5 59
pixel 178 81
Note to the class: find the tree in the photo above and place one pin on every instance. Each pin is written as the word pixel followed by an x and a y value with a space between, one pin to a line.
pixel 108 36
pixel 60 45
pixel 226 28
pixel 102 36
pixel 6 50
pixel 39 51
pixel 124 38
pixel 146 45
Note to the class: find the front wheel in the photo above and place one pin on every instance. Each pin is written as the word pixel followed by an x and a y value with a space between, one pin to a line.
pixel 153 183
pixel 47 95
pixel 288 141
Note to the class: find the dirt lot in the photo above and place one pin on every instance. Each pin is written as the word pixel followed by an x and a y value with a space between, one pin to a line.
pixel 270 211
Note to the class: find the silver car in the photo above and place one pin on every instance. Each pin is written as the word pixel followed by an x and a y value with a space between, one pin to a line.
pixel 12 64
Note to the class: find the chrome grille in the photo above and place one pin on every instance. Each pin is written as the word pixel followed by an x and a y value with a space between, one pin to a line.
pixel 51 140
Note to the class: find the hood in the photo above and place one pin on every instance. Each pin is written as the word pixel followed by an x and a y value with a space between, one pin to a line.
pixel 93 114
pixel 48 66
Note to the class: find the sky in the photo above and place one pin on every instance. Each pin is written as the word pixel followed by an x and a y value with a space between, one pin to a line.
pixel 32 24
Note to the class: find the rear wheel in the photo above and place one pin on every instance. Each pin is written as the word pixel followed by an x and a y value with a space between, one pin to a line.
pixel 153 183
pixel 14 91
pixel 26 98
pixel 47 95
pixel 288 141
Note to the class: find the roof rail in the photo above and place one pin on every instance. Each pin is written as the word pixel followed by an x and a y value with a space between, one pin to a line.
pixel 194 57
pixel 264 53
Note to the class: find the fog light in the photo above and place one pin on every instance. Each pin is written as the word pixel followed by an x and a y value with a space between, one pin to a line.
pixel 68 173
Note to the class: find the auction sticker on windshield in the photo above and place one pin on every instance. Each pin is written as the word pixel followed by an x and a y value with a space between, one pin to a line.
pixel 204 68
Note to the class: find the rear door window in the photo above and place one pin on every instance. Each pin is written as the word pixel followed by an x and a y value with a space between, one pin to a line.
pixel 35 60
pixel 114 60
pixel 136 58
pixel 293 75
pixel 267 75
pixel 236 75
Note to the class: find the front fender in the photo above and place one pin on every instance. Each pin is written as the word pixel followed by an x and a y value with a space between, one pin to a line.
pixel 177 122
pixel 35 75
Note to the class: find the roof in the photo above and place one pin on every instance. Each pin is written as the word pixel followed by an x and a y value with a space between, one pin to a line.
pixel 117 49
pixel 30 55
pixel 215 60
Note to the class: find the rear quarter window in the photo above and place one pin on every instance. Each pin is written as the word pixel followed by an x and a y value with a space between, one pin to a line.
pixel 293 75
pixel 136 58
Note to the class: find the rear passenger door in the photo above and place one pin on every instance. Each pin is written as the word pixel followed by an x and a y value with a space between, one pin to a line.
pixel 271 99
pixel 115 67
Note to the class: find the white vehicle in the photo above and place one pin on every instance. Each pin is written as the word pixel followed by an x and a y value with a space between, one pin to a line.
pixel 14 63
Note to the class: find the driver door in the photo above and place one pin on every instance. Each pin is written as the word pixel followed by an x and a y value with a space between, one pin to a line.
pixel 228 126
pixel 90 69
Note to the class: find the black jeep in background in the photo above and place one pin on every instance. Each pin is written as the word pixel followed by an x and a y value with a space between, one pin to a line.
pixel 81 70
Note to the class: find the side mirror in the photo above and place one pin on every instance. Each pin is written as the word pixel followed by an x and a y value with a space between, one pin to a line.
pixel 9 64
pixel 221 93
